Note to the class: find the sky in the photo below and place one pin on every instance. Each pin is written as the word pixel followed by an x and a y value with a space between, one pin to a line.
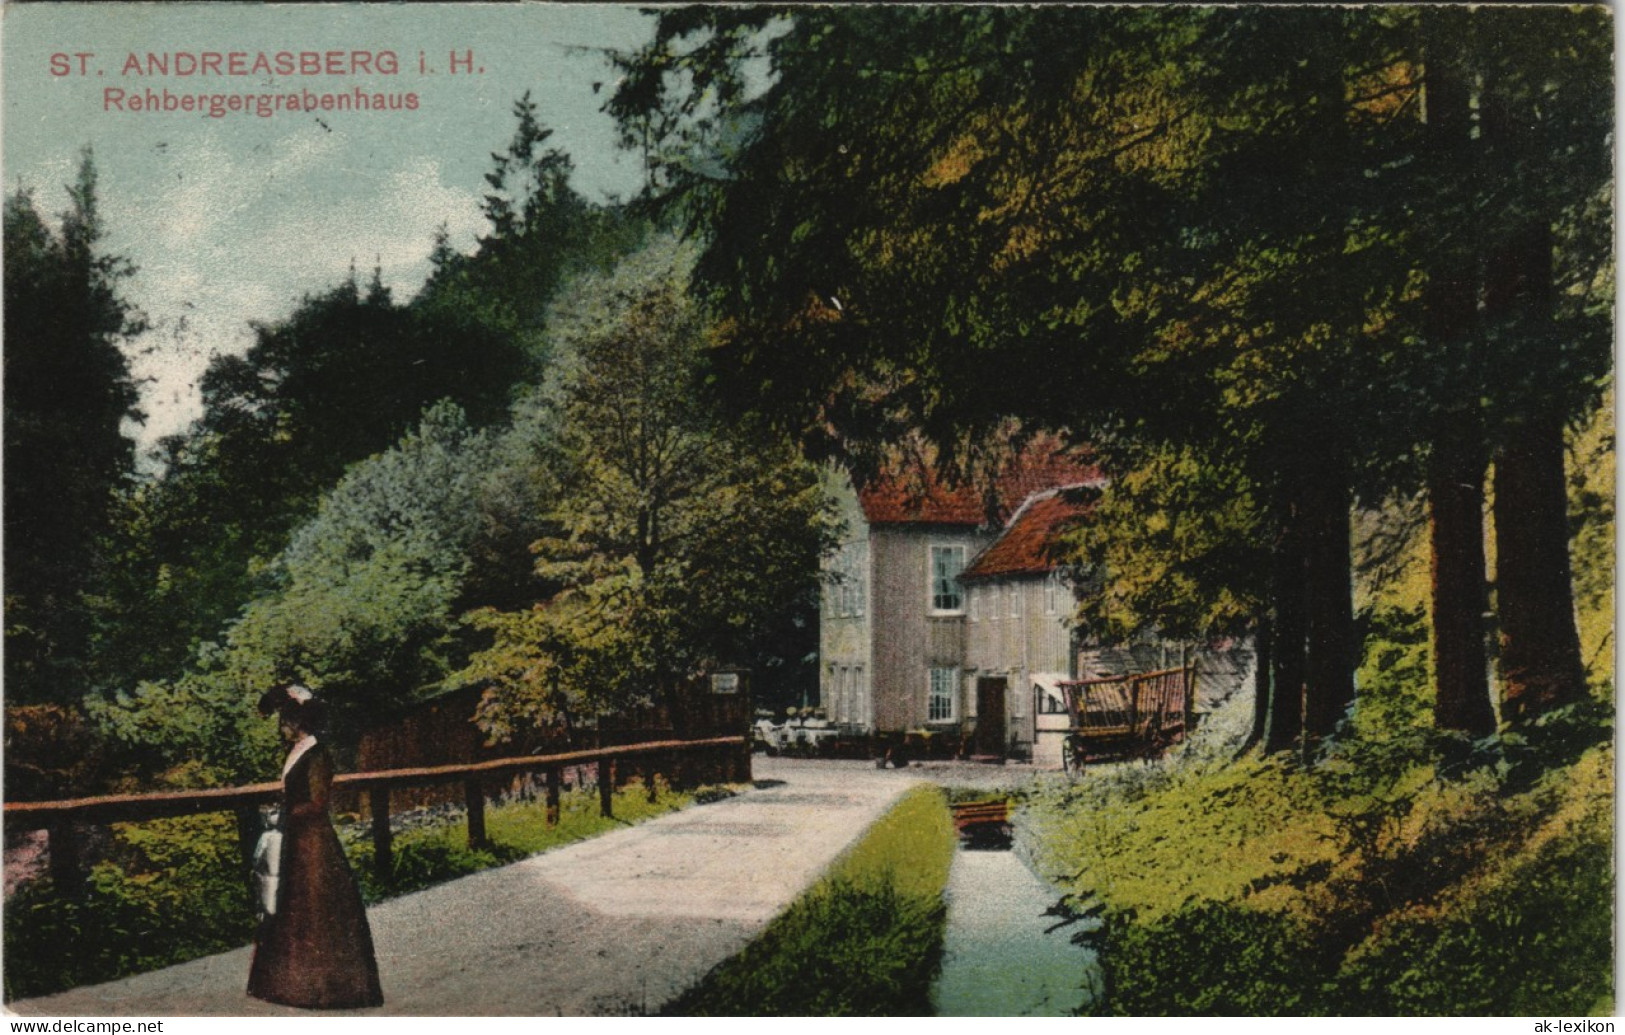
pixel 233 219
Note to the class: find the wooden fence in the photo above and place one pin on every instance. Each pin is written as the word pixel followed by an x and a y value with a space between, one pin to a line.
pixel 729 757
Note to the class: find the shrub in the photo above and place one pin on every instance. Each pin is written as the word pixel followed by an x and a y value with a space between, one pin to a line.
pixel 1212 959
pixel 173 890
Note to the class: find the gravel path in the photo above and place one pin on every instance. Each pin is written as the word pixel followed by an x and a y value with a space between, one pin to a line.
pixel 620 924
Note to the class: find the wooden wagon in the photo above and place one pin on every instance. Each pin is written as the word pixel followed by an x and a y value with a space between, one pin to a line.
pixel 1132 716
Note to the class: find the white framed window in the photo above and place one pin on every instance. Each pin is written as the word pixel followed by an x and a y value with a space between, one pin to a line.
pixel 973 603
pixel 947 596
pixel 1052 593
pixel 942 704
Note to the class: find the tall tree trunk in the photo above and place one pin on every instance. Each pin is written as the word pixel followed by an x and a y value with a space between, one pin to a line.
pixel 1541 668
pixel 1289 627
pixel 1329 583
pixel 1458 463
pixel 1540 660
pixel 1456 472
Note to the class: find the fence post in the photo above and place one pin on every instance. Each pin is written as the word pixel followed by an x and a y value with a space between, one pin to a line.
pixel 554 780
pixel 383 861
pixel 651 768
pixel 474 795
pixel 63 845
pixel 606 788
pixel 1190 696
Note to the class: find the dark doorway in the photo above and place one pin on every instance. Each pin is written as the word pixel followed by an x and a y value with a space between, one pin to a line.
pixel 990 731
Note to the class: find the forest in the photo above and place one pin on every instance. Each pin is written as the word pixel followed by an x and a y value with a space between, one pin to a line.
pixel 1326 292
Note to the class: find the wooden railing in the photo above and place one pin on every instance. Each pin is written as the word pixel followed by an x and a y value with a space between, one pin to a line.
pixel 671 757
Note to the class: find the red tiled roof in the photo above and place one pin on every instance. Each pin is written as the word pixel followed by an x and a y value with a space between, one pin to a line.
pixel 1026 546
pixel 922 497
pixel 891 501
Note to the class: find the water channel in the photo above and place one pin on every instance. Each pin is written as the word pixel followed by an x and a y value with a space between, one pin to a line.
pixel 1000 958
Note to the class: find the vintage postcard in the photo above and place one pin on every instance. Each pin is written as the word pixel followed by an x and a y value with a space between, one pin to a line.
pixel 586 510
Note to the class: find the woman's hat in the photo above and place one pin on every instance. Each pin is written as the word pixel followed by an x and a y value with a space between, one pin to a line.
pixel 290 697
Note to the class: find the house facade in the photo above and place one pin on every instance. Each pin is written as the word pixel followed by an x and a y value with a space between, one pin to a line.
pixel 1018 644
pixel 928 620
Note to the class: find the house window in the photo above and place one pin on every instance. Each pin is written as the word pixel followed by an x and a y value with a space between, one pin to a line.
pixel 973 599
pixel 940 705
pixel 946 564
pixel 1014 592
pixel 1052 594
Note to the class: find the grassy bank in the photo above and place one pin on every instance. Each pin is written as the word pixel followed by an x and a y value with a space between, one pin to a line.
pixel 171 890
pixel 866 940
pixel 1412 875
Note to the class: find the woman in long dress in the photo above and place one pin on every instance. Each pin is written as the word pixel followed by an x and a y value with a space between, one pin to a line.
pixel 315 950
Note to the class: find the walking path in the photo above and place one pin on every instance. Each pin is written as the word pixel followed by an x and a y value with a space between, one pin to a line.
pixel 620 924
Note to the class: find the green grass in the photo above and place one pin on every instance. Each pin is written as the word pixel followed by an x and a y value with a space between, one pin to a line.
pixel 866 940
pixel 1406 876
pixel 171 890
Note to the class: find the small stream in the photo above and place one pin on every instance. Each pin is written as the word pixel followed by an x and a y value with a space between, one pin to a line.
pixel 998 960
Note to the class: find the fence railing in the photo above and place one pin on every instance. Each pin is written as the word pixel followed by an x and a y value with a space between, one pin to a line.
pixel 672 758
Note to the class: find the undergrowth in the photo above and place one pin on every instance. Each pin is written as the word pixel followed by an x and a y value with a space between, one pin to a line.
pixel 866 940
pixel 1414 873
pixel 173 890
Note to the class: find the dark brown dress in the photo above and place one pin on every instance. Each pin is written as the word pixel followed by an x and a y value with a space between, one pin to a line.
pixel 315 951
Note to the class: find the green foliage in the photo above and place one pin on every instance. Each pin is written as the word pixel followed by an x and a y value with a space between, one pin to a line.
pixel 347 373
pixel 542 232
pixel 1211 959
pixel 680 538
pixel 343 377
pixel 1591 516
pixel 204 718
pixel 172 890
pixel 865 941
pixel 1178 540
pixel 1405 874
pixel 372 586
pixel 68 392
pixel 1539 941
